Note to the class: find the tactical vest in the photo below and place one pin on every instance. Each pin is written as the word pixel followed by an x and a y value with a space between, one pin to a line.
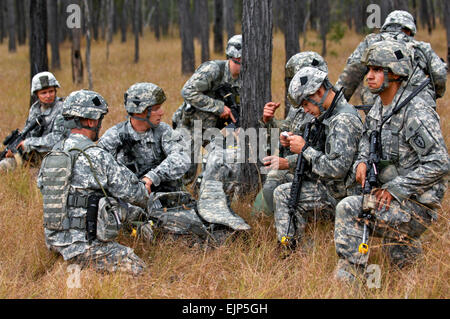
pixel 56 174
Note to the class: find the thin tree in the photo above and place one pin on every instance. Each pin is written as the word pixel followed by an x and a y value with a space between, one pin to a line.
pixel 256 73
pixel 203 28
pixel 229 17
pixel 53 33
pixel 2 22
pixel 136 14
pixel 187 38
pixel 291 30
pixel 324 19
pixel 38 38
pixel 218 26
pixel 109 28
pixel 10 6
pixel 446 6
pixel 87 21
pixel 21 26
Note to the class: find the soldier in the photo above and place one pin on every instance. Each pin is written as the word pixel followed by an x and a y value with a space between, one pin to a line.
pixel 329 159
pixel 295 122
pixel 399 26
pixel 42 138
pixel 201 100
pixel 412 170
pixel 81 185
pixel 148 147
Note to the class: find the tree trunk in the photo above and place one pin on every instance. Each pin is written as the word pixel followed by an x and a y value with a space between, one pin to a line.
pixel 21 27
pixel 425 16
pixel 446 6
pixel 77 60
pixel 2 20
pixel 53 32
pixel 109 29
pixel 203 28
pixel 156 20
pixel 324 18
pixel 257 25
pixel 10 6
pixel 136 29
pixel 229 17
pixel 124 20
pixel 218 26
pixel 38 38
pixel 291 34
pixel 187 39
pixel 87 21
pixel 165 14
pixel 94 6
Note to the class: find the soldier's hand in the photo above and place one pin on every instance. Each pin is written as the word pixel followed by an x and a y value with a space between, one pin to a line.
pixel 296 143
pixel 148 184
pixel 384 198
pixel 284 141
pixel 269 111
pixel 275 162
pixel 226 113
pixel 361 170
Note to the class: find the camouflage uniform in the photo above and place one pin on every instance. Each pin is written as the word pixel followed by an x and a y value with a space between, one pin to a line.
pixel 294 122
pixel 93 172
pixel 200 103
pixel 326 182
pixel 413 169
pixel 430 64
pixel 42 139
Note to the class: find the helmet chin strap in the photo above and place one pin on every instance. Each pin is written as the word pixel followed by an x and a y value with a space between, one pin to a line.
pixel 385 83
pixel 95 129
pixel 146 119
pixel 319 104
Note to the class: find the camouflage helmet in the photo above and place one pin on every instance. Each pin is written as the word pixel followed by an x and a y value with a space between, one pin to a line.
pixel 390 55
pixel 401 18
pixel 305 82
pixel 304 59
pixel 85 104
pixel 140 96
pixel 234 47
pixel 42 81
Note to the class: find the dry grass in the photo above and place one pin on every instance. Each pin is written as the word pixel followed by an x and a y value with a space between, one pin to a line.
pixel 248 267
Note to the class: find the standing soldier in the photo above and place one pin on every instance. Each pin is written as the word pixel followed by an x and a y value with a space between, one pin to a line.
pixel 203 101
pixel 403 153
pixel 51 129
pixel 399 26
pixel 337 131
pixel 81 184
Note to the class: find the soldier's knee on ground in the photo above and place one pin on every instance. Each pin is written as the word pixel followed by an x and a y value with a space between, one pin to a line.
pixel 403 253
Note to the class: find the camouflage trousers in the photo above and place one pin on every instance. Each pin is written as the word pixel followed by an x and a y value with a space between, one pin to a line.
pixel 110 257
pixel 314 204
pixel 400 227
pixel 274 179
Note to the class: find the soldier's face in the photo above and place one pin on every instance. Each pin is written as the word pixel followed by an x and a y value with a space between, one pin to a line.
pixel 156 114
pixel 310 107
pixel 375 77
pixel 235 68
pixel 47 96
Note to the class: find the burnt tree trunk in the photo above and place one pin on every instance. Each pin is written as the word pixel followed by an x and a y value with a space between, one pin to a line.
pixel 2 22
pixel 446 6
pixel 38 38
pixel 76 58
pixel 20 21
pixel 229 17
pixel 218 26
pixel 53 33
pixel 136 13
pixel 124 20
pixel 187 38
pixel 87 22
pixel 203 28
pixel 324 18
pixel 10 7
pixel 257 25
pixel 291 30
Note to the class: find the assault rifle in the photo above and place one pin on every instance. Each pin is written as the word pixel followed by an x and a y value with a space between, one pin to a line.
pixel 313 134
pixel 16 137
pixel 226 94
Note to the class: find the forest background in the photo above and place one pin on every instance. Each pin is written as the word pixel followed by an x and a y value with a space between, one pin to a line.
pixel 250 266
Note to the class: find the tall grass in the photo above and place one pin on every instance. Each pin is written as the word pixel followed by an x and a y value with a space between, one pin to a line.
pixel 248 267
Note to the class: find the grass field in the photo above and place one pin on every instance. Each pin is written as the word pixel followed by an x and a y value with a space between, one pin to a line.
pixel 248 267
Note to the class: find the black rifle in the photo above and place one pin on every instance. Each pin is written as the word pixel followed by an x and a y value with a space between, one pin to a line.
pixel 313 134
pixel 226 94
pixel 16 137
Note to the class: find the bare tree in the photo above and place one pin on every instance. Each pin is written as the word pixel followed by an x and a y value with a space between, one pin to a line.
pixel 187 39
pixel 324 18
pixel 218 26
pixel 446 6
pixel 87 21
pixel 203 28
pixel 136 13
pixel 38 38
pixel 53 32
pixel 256 73
pixel 10 5
pixel 229 17
pixel 109 29
pixel 2 22
pixel 20 21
